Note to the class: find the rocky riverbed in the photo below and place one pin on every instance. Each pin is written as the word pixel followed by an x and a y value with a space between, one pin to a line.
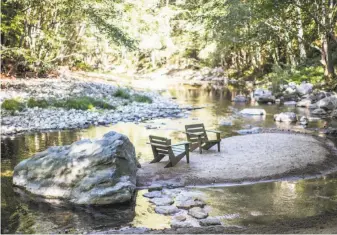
pixel 51 118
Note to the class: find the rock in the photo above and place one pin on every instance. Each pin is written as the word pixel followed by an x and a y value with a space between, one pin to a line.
pixel 292 85
pixel 179 218
pixel 290 90
pixel 253 112
pixel 184 224
pixel 153 194
pixel 334 114
pixel 98 172
pixel 253 130
pixel 197 213
pixel 304 120
pixel 164 201
pixel 189 203
pixel 240 98
pixel 318 112
pixel 290 103
pixel 327 103
pixel 166 210
pixel 265 99
pixel 210 221
pixel 304 88
pixel 304 103
pixel 285 117
pixel 261 92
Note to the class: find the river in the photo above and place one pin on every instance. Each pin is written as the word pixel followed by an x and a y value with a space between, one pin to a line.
pixel 237 205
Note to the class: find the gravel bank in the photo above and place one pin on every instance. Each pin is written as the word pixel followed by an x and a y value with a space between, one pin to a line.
pixel 250 157
pixel 38 119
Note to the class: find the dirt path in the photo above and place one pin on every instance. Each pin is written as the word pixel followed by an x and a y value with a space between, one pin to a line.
pixel 250 157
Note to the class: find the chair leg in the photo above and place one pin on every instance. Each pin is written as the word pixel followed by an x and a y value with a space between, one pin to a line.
pixel 187 148
pixel 199 142
pixel 219 147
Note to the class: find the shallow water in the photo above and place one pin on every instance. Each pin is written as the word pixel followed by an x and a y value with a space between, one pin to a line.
pixel 238 205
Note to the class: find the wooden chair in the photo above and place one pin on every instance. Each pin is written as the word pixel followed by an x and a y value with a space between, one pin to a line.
pixel 162 146
pixel 197 136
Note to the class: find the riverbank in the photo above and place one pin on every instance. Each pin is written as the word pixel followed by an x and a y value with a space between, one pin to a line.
pixel 68 103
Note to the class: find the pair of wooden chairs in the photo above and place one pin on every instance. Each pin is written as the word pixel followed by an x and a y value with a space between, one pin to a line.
pixel 197 138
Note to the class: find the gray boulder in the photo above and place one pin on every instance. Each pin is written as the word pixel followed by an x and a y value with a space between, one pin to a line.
pixel 304 88
pixel 285 117
pixel 327 103
pixel 266 99
pixel 95 172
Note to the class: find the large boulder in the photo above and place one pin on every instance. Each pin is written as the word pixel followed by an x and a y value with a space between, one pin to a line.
pixel 95 172
pixel 327 103
pixel 266 99
pixel 304 88
pixel 285 117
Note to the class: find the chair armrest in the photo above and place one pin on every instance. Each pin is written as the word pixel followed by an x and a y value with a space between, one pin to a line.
pixel 182 143
pixel 214 131
pixel 189 133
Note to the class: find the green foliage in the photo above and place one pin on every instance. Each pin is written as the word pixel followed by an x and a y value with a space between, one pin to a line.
pixel 142 98
pixel 284 75
pixel 82 103
pixel 80 65
pixel 122 93
pixel 12 105
pixel 31 103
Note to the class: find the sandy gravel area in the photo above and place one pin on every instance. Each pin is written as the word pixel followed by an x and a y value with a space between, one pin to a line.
pixel 249 157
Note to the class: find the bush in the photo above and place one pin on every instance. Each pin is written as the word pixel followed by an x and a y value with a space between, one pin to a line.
pixel 37 103
pixel 122 93
pixel 12 105
pixel 142 99
pixel 83 103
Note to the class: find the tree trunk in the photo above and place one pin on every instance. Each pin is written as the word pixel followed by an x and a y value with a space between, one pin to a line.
pixel 303 53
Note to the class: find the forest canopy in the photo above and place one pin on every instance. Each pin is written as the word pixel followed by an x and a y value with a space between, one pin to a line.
pixel 246 37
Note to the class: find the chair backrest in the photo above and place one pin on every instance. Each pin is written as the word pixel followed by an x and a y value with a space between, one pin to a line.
pixel 160 145
pixel 196 129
